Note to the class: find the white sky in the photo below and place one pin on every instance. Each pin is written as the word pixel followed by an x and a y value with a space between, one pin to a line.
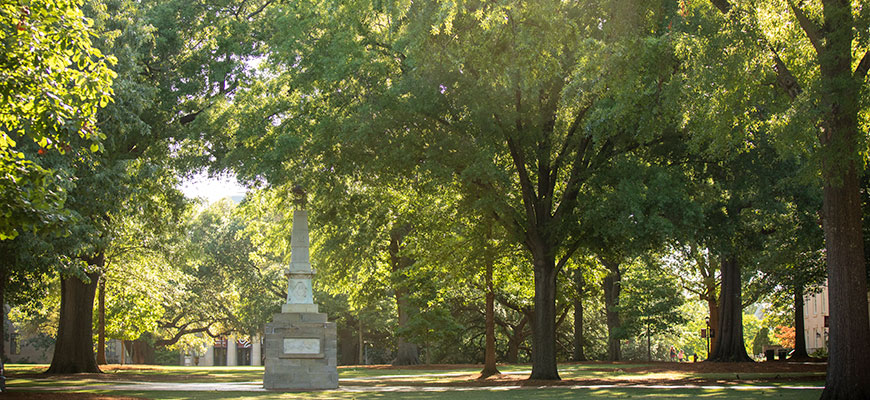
pixel 212 188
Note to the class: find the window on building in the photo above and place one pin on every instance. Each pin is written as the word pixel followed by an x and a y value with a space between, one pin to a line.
pixel 815 305
pixel 806 311
pixel 815 337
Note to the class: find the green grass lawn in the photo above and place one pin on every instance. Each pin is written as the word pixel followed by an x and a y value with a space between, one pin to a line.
pixel 435 380
pixel 544 393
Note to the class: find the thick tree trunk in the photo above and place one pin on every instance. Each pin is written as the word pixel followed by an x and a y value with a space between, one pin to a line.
pixel 143 352
pixel 347 345
pixel 580 286
pixel 800 339
pixel 848 374
pixel 611 304
pixel 74 348
pixel 714 323
pixel 516 337
pixel 544 319
pixel 101 326
pixel 489 365
pixel 407 353
pixel 729 340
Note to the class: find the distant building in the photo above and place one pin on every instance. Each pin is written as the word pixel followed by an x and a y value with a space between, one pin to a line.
pixel 22 348
pixel 229 352
pixel 816 320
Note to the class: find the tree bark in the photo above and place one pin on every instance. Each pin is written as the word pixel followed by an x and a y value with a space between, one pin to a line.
pixel 714 323
pixel 3 281
pixel 800 339
pixel 580 287
pixel 544 326
pixel 407 353
pixel 74 348
pixel 729 340
pixel 648 344
pixel 611 304
pixel 516 337
pixel 489 364
pixel 101 326
pixel 362 343
pixel 143 352
pixel 848 374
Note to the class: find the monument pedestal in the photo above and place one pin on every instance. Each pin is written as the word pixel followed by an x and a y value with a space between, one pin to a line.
pixel 301 352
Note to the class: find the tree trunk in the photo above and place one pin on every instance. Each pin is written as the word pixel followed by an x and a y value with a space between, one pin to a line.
pixel 101 326
pixel 648 344
pixel 3 280
pixel 74 348
pixel 513 353
pixel 580 286
pixel 848 374
pixel 714 323
pixel 362 343
pixel 849 341
pixel 611 305
pixel 800 339
pixel 407 353
pixel 729 340
pixel 489 367
pixel 142 351
pixel 544 320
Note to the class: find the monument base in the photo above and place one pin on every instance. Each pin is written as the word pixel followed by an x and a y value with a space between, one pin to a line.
pixel 301 352
pixel 289 308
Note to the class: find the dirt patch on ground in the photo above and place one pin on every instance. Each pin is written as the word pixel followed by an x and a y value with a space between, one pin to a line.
pixel 64 395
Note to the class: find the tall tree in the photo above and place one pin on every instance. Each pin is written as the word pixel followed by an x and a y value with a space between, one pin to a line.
pixel 825 80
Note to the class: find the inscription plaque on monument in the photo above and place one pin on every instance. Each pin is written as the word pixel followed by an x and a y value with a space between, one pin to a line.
pixel 301 346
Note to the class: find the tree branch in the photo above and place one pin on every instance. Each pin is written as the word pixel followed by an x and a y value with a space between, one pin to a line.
pixel 529 196
pixel 259 10
pixel 723 5
pixel 863 66
pixel 179 334
pixel 567 146
pixel 808 26
pixel 568 253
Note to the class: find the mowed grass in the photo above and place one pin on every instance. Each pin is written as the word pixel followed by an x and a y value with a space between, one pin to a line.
pixel 492 394
pixel 434 383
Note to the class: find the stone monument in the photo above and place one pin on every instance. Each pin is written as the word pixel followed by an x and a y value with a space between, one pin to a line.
pixel 300 345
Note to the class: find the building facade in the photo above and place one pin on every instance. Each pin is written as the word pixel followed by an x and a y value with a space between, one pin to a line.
pixel 229 352
pixel 816 313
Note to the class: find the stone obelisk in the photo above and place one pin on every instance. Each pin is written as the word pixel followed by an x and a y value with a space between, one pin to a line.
pixel 300 345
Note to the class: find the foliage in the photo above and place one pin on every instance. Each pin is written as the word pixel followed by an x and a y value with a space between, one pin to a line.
pixel 785 336
pixel 53 82
pixel 650 301
pixel 762 338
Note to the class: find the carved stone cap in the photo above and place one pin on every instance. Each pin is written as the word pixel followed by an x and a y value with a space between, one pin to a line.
pixel 300 198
